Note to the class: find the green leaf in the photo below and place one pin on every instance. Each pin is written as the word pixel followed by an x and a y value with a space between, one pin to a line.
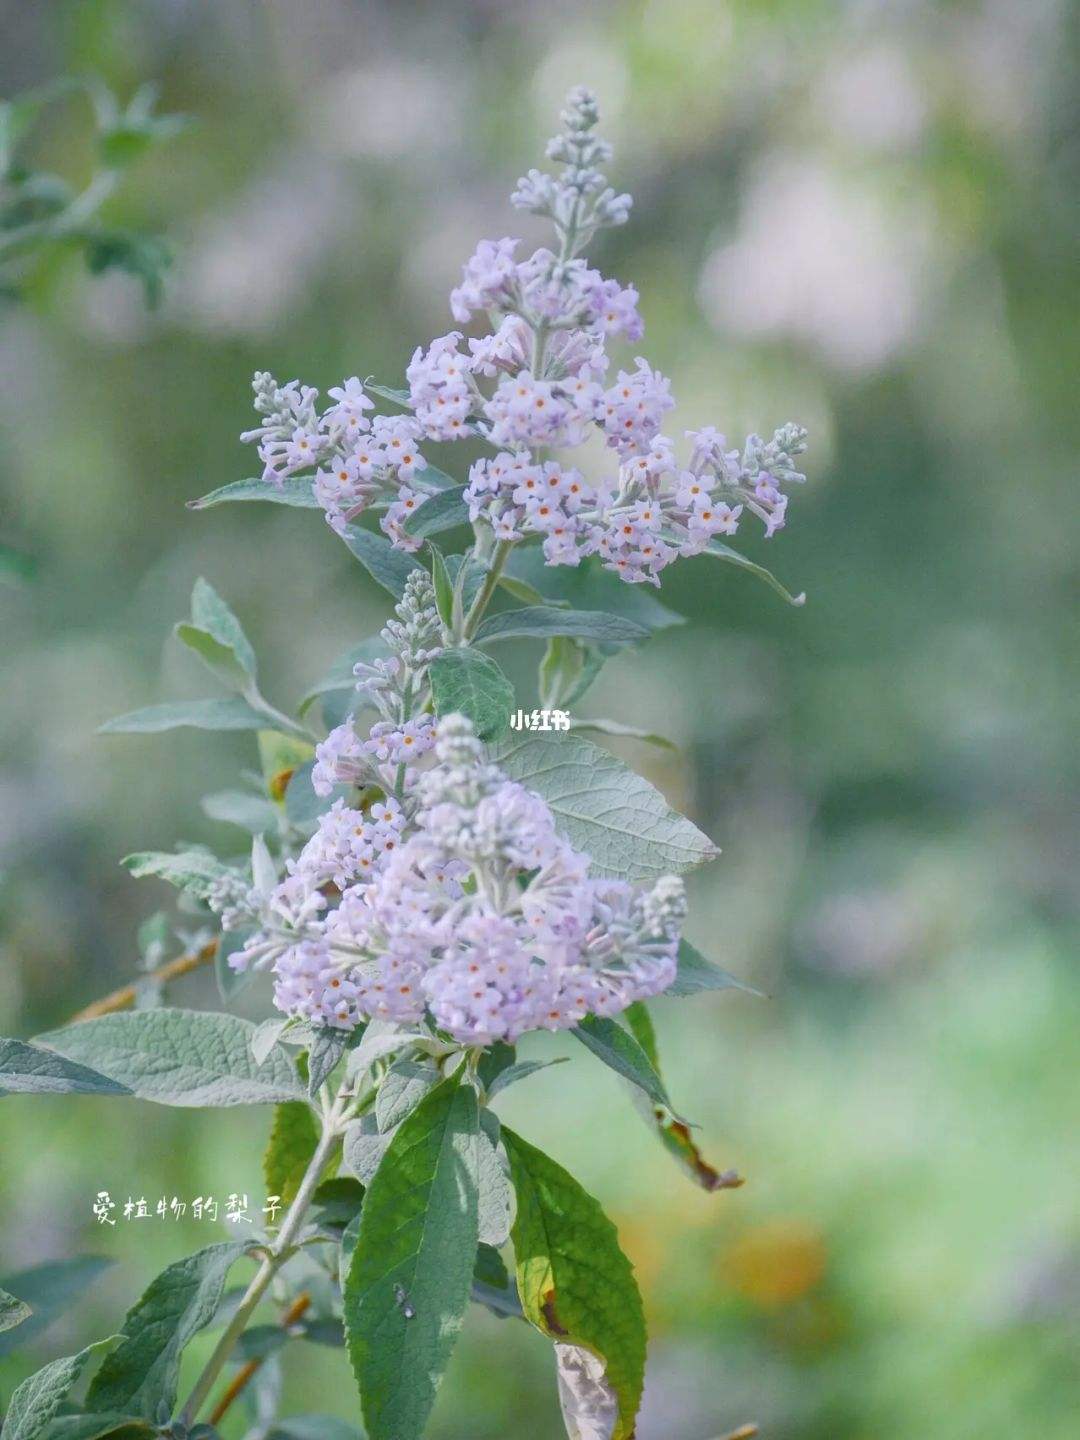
pixel 696 974
pixel 313 1427
pixel 290 1149
pixel 442 584
pixel 403 1087
pixel 492 1287
pixel 675 1134
pixel 280 756
pixel 37 1401
pixel 295 491
pixel 629 732
pixel 617 1048
pixel 233 713
pixel 513 1073
pixel 107 1426
pixel 560 671
pixel 470 683
pixel 50 1290
pixel 546 620
pixel 210 613
pixel 325 1052
pixel 575 1284
pixel 720 551
pixel 196 871
pixel 218 638
pixel 604 808
pixel 336 1203
pixel 145 1368
pixel 387 566
pixel 29 1070
pixel 444 510
pixel 364 1147
pixel 391 393
pixel 496 1203
pixel 180 1057
pixel 408 1284
pixel 589 586
pixel 13 1311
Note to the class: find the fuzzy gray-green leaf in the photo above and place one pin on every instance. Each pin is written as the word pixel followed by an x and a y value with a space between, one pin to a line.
pixel 180 1057
pixel 604 808
pixel 468 682
pixel 145 1368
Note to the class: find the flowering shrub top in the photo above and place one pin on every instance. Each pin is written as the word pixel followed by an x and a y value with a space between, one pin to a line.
pixel 425 888
pixel 537 382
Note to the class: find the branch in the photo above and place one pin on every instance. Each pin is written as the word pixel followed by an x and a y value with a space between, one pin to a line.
pixel 274 1258
pixel 124 998
pixel 295 1312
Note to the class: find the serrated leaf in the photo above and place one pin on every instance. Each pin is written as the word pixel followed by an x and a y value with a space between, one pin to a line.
pixel 37 1401
pixel 720 551
pixel 295 491
pixel 196 871
pixel 695 973
pixel 144 1369
pixel 618 1049
pixel 13 1311
pixel 403 1087
pixel 545 620
pixel 604 808
pixel 589 586
pixel 470 683
pixel 31 1070
pixel 233 713
pixel 387 566
pixel 408 1284
pixel 50 1290
pixel 180 1057
pixel 290 1149
pixel 575 1284
pixel 444 510
pixel 217 658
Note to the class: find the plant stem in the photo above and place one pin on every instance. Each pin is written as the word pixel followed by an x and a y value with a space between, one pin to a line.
pixel 293 1314
pixel 274 1258
pixel 124 998
pixel 487 589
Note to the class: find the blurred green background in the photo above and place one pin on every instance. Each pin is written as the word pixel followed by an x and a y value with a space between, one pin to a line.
pixel 852 214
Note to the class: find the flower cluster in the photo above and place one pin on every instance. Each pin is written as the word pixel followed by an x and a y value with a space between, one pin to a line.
pixel 394 685
pixel 538 381
pixel 475 913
